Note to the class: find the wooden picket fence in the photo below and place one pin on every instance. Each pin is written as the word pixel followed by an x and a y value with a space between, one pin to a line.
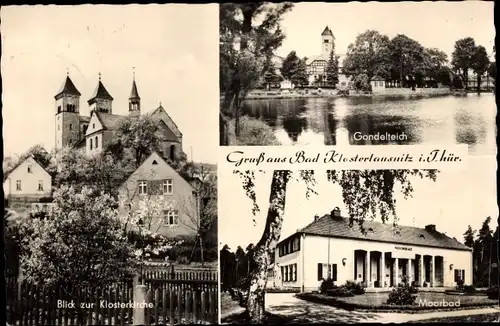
pixel 168 302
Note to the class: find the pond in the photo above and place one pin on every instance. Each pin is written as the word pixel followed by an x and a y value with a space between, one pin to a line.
pixel 440 120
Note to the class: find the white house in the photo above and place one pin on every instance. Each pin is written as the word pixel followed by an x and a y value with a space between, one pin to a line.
pixel 28 179
pixel 378 84
pixel 379 258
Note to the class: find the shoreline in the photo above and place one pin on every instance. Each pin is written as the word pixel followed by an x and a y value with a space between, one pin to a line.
pixel 420 93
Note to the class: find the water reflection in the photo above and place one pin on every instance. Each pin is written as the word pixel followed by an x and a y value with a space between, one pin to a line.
pixel 342 121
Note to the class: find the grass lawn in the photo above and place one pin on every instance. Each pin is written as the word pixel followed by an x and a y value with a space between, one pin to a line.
pixel 482 318
pixel 377 301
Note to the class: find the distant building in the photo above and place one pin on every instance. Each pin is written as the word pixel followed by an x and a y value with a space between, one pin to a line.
pixel 96 131
pixel 378 84
pixel 330 247
pixel 28 180
pixel 486 82
pixel 154 178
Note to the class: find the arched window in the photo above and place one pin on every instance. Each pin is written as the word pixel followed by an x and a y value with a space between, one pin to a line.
pixel 172 152
pixel 96 142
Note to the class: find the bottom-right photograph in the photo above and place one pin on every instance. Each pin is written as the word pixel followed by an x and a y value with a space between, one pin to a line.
pixel 350 246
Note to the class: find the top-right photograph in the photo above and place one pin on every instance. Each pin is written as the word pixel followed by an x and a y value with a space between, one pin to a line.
pixel 358 74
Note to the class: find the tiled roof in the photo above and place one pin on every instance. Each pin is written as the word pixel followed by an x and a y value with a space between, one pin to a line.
pixel 68 88
pixel 325 57
pixel 84 118
pixel 338 227
pixel 101 93
pixel 109 121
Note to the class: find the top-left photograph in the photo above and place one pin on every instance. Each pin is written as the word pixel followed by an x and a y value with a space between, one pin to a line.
pixel 110 177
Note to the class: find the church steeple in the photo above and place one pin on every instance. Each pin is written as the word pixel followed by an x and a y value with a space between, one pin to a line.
pixel 101 100
pixel 67 88
pixel 134 100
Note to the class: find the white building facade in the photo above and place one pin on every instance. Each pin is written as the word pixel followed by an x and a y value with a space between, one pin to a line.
pixel 28 179
pixel 380 258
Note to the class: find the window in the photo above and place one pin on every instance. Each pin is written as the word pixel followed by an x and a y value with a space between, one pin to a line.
pixel 96 142
pixel 326 41
pixel 90 140
pixel 70 141
pixel 30 169
pixel 171 217
pixel 459 275
pixel 168 187
pixel 143 187
pixel 285 279
pixel 58 127
pixel 40 185
pixel 18 185
pixel 325 271
pixel 93 126
pixel 70 126
pixel 59 109
pixel 85 129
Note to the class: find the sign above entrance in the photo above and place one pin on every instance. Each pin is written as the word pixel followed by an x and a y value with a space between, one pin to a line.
pixel 403 252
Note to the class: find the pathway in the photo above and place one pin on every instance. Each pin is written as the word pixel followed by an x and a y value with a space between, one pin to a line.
pixel 300 311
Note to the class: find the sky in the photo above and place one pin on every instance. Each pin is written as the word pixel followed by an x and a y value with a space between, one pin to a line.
pixel 457 198
pixel 433 24
pixel 174 49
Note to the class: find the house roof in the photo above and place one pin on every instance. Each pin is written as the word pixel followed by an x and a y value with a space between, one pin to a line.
pixel 67 88
pixel 327 31
pixel 84 118
pixel 326 57
pixel 168 116
pixel 6 175
pixel 101 93
pixel 339 227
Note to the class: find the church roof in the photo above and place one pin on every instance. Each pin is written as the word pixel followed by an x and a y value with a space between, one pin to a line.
pixel 134 94
pixel 326 57
pixel 109 121
pixel 339 227
pixel 68 88
pixel 327 31
pixel 84 118
pixel 101 93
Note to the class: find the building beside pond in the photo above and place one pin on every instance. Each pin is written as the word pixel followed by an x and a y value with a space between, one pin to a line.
pixel 380 256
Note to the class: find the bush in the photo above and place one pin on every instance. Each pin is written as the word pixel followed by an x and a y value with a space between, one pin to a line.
pixel 354 287
pixel 469 289
pixel 326 285
pixel 493 292
pixel 339 291
pixel 403 295
pixel 460 285
pixel 253 132
pixel 343 92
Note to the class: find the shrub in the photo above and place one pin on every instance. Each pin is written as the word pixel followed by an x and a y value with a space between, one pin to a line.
pixel 343 92
pixel 339 291
pixel 354 287
pixel 253 132
pixel 493 292
pixel 460 285
pixel 469 289
pixel 403 295
pixel 326 285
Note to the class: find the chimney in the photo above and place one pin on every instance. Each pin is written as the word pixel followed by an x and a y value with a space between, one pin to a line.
pixel 335 212
pixel 431 228
pixel 316 217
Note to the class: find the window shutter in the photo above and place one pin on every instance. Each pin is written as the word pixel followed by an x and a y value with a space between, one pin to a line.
pixel 320 272
pixel 456 275
pixel 334 272
pixel 463 275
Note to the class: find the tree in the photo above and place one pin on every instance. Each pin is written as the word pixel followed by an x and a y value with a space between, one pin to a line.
pixel 492 71
pixel 361 82
pixel 435 66
pixel 300 75
pixel 332 70
pixel 469 237
pixel 480 64
pixel 407 58
pixel 79 242
pixel 482 252
pixel 139 136
pixel 290 65
pixel 368 55
pixel 249 33
pixel 462 58
pixel 204 218
pixel 366 194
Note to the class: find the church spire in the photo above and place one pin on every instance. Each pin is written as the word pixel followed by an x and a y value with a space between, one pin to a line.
pixel 67 88
pixel 134 100
pixel 100 99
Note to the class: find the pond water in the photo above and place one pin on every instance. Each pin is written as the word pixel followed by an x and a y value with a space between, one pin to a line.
pixel 341 121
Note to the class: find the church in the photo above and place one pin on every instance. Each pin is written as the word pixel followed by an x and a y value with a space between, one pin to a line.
pixel 94 132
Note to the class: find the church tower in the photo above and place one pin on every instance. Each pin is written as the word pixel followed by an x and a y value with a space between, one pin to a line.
pixel 101 100
pixel 67 114
pixel 134 100
pixel 327 40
